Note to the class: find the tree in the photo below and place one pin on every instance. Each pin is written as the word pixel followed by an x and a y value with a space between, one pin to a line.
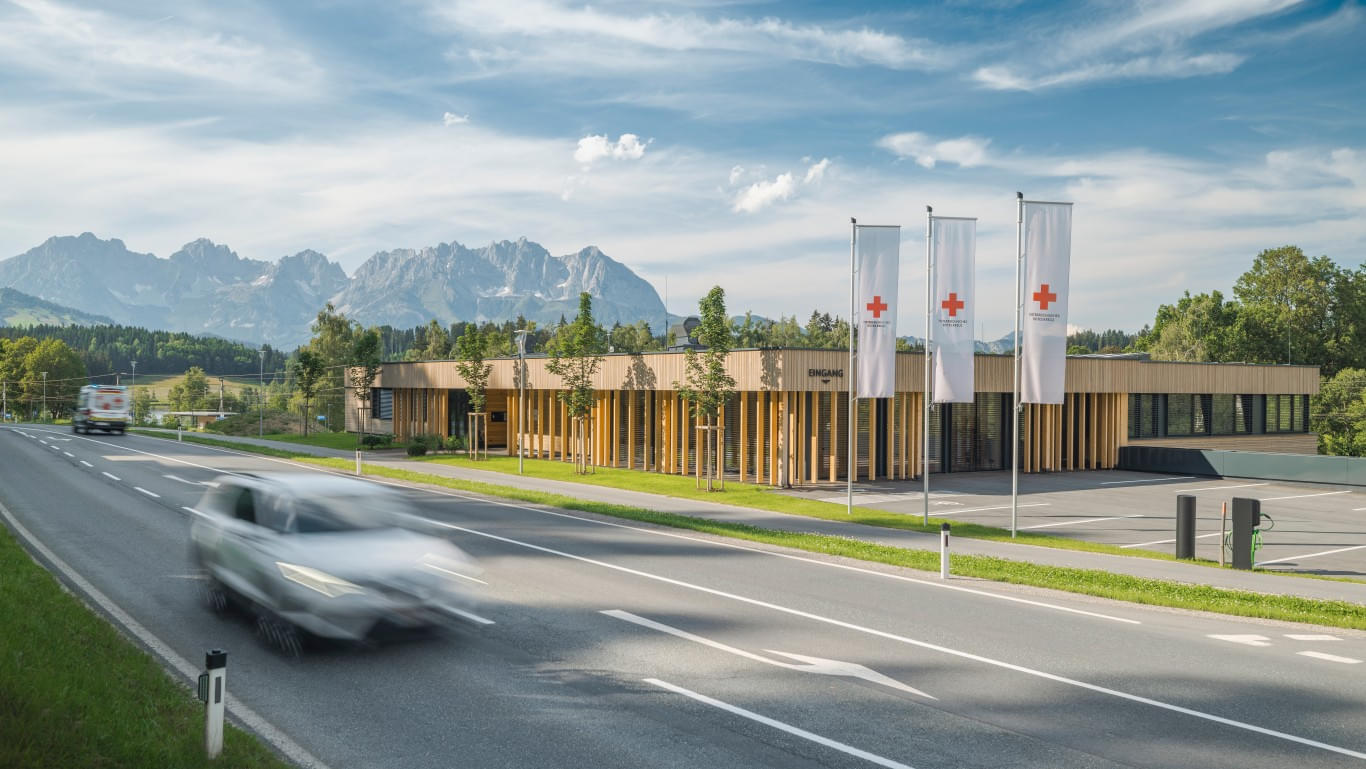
pixel 308 374
pixel 333 341
pixel 364 368
pixel 1338 413
pixel 65 376
pixel 1297 308
pixel 438 345
pixel 707 386
pixel 471 349
pixel 576 355
pixel 142 404
pixel 1197 328
pixel 192 392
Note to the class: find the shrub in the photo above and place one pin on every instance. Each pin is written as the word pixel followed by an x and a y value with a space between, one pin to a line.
pixel 455 442
pixel 417 448
pixel 373 441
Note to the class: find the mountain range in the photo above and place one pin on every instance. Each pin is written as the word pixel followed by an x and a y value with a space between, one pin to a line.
pixel 206 287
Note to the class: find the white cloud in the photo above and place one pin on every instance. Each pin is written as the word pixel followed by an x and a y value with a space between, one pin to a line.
pixel 964 151
pixel 450 119
pixel 816 171
pixel 764 193
pixel 1162 66
pixel 558 29
pixel 597 147
pixel 736 174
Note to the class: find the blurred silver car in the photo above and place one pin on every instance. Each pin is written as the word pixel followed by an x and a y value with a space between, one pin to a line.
pixel 335 556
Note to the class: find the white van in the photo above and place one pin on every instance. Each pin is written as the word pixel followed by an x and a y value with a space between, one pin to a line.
pixel 104 406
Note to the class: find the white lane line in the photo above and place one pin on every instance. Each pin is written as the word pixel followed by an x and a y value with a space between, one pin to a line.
pixel 469 615
pixel 434 567
pixel 190 510
pixel 1221 488
pixel 111 475
pixel 1164 541
pixel 1312 555
pixel 87 464
pixel 69 454
pixel 657 533
pixel 40 440
pixel 1358 509
pixel 1149 480
pixel 246 715
pixel 1088 520
pixel 942 513
pixel 1330 657
pixel 1311 637
pixel 1303 496
pixel 816 665
pixel 766 721
pixel 123 447
pixel 192 483
pixel 151 494
pixel 1246 640
pixel 931 646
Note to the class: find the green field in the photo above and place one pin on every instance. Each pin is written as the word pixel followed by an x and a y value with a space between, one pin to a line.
pixel 161 384
pixel 76 693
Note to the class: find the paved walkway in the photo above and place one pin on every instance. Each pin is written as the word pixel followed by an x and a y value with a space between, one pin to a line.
pixel 1260 582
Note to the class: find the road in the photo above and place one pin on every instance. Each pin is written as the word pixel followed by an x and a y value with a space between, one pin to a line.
pixel 1317 529
pixel 621 645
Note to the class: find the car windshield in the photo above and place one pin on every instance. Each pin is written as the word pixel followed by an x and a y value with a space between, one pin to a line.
pixel 343 513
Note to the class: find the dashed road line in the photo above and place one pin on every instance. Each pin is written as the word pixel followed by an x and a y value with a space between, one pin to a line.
pixel 151 494
pixel 87 464
pixel 69 454
pixel 1330 658
pixel 1246 639
pixel 111 476
pixel 1311 637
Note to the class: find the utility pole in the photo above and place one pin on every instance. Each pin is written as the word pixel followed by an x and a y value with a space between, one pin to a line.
pixel 132 386
pixel 220 397
pixel 521 390
pixel 44 395
pixel 4 401
pixel 261 398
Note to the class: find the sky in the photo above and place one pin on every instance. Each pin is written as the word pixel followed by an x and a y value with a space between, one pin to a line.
pixel 699 142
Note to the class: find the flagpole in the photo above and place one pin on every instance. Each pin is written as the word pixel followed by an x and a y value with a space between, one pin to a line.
pixel 853 414
pixel 925 406
pixel 1015 405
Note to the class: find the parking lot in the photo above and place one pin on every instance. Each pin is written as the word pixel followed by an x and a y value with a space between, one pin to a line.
pixel 1316 529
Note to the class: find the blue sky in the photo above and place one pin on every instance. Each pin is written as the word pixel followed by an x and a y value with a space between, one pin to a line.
pixel 709 142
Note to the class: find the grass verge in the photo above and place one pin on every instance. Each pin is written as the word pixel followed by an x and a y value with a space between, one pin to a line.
pixel 1093 582
pixel 73 692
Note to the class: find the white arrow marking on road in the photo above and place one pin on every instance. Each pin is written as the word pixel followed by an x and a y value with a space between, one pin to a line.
pixel 1249 640
pixel 817 665
pixel 192 483
pixel 1311 637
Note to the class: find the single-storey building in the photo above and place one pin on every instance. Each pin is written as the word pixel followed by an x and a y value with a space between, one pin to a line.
pixel 787 423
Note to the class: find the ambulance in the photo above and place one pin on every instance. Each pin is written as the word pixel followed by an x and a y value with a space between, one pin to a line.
pixel 106 407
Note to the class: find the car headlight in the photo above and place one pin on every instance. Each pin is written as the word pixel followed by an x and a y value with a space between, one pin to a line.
pixel 319 581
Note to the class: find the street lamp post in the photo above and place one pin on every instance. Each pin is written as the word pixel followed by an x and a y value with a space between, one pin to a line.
pixel 521 394
pixel 44 411
pixel 133 387
pixel 261 395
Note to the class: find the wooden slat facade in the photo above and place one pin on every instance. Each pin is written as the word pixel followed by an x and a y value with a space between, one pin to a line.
pixel 790 421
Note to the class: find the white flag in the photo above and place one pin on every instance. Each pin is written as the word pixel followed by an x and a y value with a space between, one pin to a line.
pixel 954 303
pixel 879 252
pixel 1048 256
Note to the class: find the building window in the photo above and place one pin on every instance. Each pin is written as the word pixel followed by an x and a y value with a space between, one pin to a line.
pixel 1143 419
pixel 382 401
pixel 1180 417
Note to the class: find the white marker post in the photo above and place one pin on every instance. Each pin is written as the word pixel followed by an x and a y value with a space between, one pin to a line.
pixel 357 461
pixel 211 691
pixel 943 551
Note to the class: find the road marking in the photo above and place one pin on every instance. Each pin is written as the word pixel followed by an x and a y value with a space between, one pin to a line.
pixel 1311 555
pixel 815 665
pixel 1302 496
pixel 1311 637
pixel 124 447
pixel 655 533
pixel 1088 520
pixel 469 615
pixel 192 483
pixel 1358 509
pixel 1164 541
pixel 151 494
pixel 87 464
pixel 191 510
pixel 943 513
pixel 766 721
pixel 1247 640
pixel 931 646
pixel 1149 480
pixel 256 723
pixel 1330 657
pixel 1221 488
pixel 111 475
pixel 69 454
pixel 40 440
pixel 434 567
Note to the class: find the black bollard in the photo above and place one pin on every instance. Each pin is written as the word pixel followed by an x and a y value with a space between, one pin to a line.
pixel 1185 526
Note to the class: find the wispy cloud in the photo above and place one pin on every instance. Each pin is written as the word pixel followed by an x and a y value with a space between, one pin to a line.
pixel 766 192
pixel 450 119
pixel 965 151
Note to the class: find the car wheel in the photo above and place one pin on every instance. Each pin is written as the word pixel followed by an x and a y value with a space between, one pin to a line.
pixel 279 634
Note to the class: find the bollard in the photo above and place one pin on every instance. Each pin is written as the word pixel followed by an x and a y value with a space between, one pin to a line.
pixel 211 691
pixel 177 434
pixel 943 551
pixel 1247 515
pixel 1185 526
pixel 357 461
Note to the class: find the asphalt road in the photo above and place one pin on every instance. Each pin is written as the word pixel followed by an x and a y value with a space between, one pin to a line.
pixel 616 645
pixel 1317 529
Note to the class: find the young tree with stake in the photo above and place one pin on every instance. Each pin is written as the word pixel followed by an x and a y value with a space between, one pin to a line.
pixel 707 386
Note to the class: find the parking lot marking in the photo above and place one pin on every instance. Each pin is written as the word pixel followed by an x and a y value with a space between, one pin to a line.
pixel 1164 541
pixel 1088 520
pixel 943 513
pixel 1311 555
pixel 1302 496
pixel 1330 657
pixel 1311 637
pixel 1149 480
pixel 111 475
pixel 1221 488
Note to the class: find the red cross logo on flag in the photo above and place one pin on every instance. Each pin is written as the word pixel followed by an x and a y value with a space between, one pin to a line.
pixel 1043 296
pixel 877 306
pixel 953 304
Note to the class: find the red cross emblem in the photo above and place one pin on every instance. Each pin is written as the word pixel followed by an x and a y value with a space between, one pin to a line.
pixel 953 304
pixel 877 306
pixel 1043 296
